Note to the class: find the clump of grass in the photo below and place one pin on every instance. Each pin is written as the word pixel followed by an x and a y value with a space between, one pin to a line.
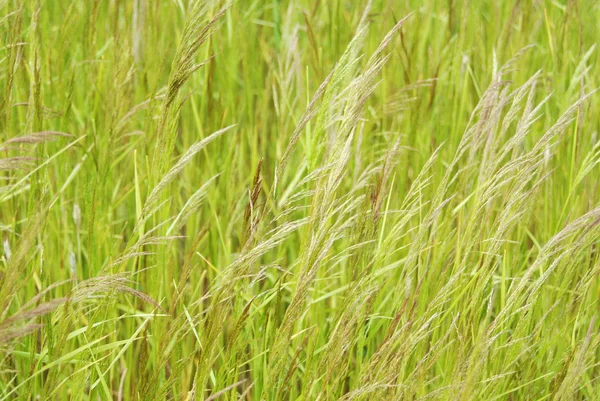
pixel 295 200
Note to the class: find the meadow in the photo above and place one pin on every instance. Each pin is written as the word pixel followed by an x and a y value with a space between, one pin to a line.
pixel 299 200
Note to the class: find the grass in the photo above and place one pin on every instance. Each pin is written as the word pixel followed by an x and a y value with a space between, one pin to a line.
pixel 303 200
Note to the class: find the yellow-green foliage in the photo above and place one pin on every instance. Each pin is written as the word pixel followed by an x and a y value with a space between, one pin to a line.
pixel 299 200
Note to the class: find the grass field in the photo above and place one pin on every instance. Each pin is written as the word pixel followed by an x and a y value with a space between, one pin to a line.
pixel 299 200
